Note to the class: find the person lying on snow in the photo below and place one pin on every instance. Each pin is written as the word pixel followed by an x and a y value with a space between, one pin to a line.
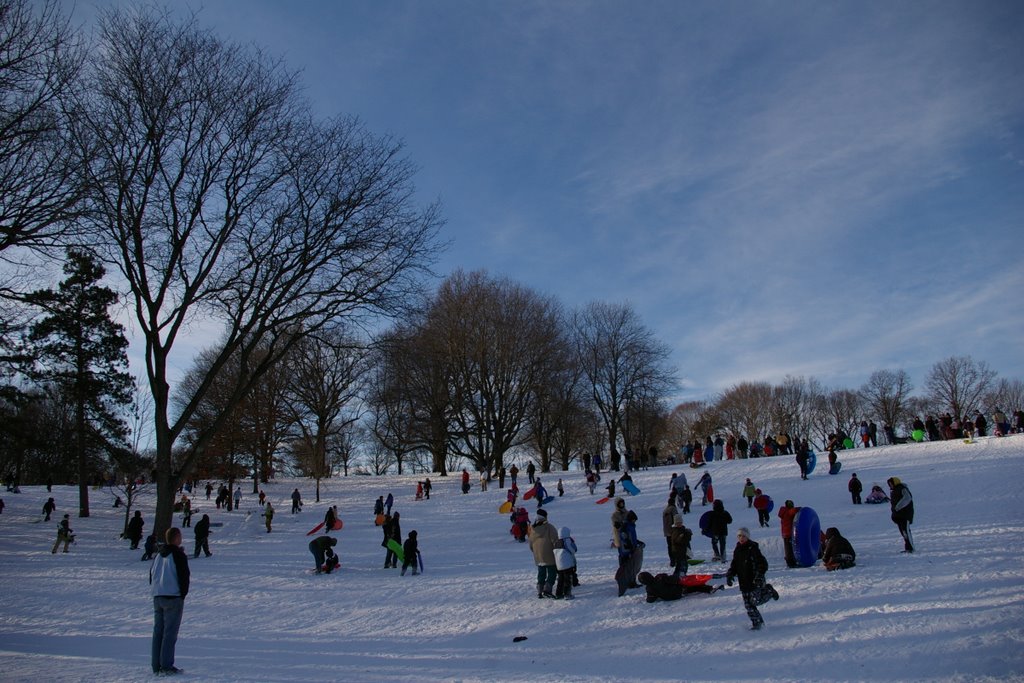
pixel 668 587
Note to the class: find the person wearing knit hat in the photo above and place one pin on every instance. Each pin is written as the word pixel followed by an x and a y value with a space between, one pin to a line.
pixel 542 543
pixel 749 566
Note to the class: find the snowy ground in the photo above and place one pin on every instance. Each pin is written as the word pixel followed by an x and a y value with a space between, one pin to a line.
pixel 953 611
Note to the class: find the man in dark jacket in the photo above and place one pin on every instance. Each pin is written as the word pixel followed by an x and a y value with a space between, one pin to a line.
pixel 902 504
pixel 202 530
pixel 838 553
pixel 855 487
pixel 169 580
pixel 749 566
pixel 718 526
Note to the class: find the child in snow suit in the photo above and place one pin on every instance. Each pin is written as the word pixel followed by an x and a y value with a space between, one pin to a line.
pixel 749 491
pixel 520 519
pixel 680 543
pixel 268 515
pixel 876 496
pixel 409 550
pixel 150 548
pixel 565 563
pixel 749 566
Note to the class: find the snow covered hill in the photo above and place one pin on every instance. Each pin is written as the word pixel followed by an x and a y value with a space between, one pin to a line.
pixel 953 611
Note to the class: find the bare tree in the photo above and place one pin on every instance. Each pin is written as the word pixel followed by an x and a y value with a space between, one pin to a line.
pixel 1007 395
pixel 560 416
pixel 617 353
pixel 885 394
pixel 503 340
pixel 216 193
pixel 326 379
pixel 40 184
pixel 958 383
pixel 838 410
pixel 746 409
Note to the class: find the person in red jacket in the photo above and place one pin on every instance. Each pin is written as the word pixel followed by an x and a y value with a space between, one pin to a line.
pixel 786 515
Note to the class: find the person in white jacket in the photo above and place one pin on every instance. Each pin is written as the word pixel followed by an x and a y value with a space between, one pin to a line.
pixel 169 581
pixel 565 563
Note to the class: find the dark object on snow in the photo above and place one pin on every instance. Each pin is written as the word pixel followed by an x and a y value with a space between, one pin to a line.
pixel 518 639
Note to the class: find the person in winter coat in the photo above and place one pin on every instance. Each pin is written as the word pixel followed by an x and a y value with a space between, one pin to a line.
pixel 263 498
pixel 749 491
pixel 679 541
pixel 378 506
pixel 803 455
pixel 202 531
pixel 268 515
pixel 618 519
pixel 48 509
pixel 64 534
pixel 150 548
pixel 591 482
pixel 761 503
pixel 513 472
pixel 837 553
pixel 134 532
pixel 705 484
pixel 238 498
pixel 520 519
pixel 718 526
pixel 296 501
pixel 330 518
pixel 388 502
pixel 540 493
pixel 980 424
pixel 668 517
pixel 786 516
pixel 877 496
pixel 611 487
pixel 678 484
pixel 565 563
pixel 531 469
pixel 169 579
pixel 465 480
pixel 560 488
pixel 686 497
pixel 671 587
pixel 426 488
pixel 902 504
pixel 749 567
pixel 855 487
pixel 542 543
pixel 392 532
pixel 209 490
pixel 631 554
pixel 409 550
pixel 186 512
pixel 322 549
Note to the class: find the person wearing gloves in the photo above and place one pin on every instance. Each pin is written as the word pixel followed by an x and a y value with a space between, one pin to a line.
pixel 748 567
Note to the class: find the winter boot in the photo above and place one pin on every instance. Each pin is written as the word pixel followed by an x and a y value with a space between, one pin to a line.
pixel 540 590
pixel 547 591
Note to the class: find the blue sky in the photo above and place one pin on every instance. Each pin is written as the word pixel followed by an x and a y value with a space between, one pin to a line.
pixel 812 188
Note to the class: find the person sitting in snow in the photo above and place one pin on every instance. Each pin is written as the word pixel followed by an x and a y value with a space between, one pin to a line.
pixel 876 496
pixel 837 552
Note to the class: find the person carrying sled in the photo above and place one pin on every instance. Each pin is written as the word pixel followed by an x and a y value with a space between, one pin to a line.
pixel 855 487
pixel 392 532
pixel 787 514
pixel 542 543
pixel 409 553
pixel 705 483
pixel 902 505
pixel 64 534
pixel 838 553
pixel 803 456
pixel 134 532
pixel 749 566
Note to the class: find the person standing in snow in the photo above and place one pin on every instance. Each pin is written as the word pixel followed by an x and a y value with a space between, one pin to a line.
pixel 542 543
pixel 803 455
pixel 330 517
pixel 687 498
pixel 134 533
pixel 409 550
pixel 388 502
pixel 565 563
pixel 378 506
pixel 902 504
pixel 531 470
pixel 202 531
pixel 296 501
pixel 705 484
pixel 560 488
pixel 749 567
pixel 786 516
pixel 169 583
pixel 668 516
pixel 392 532
pixel 761 503
pixel 268 515
pixel 855 487
pixel 680 542
pixel 718 526
pixel 186 511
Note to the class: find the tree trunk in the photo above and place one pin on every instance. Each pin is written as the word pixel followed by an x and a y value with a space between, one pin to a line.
pixel 83 469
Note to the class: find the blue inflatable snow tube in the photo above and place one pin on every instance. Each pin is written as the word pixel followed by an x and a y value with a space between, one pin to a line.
pixel 705 524
pixel 812 460
pixel 709 454
pixel 806 537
